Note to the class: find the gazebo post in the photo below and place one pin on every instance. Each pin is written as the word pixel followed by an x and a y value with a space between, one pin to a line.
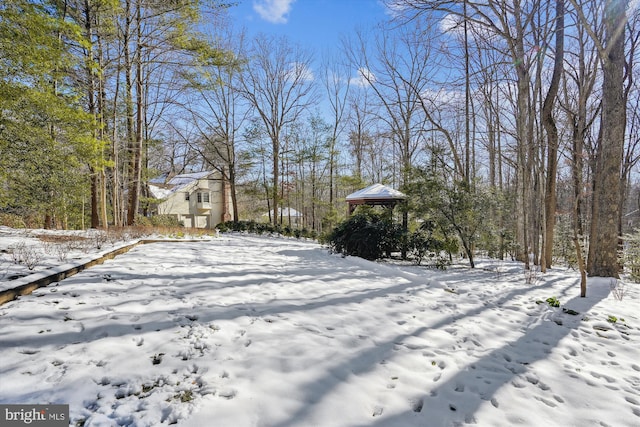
pixel 405 227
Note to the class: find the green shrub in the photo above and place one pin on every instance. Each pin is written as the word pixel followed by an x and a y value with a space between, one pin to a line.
pixel 427 243
pixel 264 228
pixel 367 234
pixel 142 221
pixel 165 221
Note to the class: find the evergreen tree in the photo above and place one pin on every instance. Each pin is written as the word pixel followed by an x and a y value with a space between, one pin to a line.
pixel 44 133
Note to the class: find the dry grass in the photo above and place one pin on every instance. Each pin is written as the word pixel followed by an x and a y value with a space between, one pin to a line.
pixel 61 238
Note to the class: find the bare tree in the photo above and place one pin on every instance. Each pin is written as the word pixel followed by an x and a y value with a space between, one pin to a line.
pixel 360 125
pixel 604 238
pixel 278 84
pixel 397 71
pixel 632 100
pixel 552 136
pixel 217 112
pixel 337 85
pixel 512 27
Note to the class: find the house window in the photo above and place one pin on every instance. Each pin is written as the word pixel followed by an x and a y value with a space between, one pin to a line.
pixel 186 196
pixel 203 198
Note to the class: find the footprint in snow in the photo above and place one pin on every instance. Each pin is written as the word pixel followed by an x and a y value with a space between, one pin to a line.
pixel 416 404
pixel 227 393
pixel 547 402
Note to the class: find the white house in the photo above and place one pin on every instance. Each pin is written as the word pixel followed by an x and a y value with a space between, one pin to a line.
pixel 288 215
pixel 198 200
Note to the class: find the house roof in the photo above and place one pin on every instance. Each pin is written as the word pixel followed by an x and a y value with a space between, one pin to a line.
pixel 376 192
pixel 176 184
pixel 187 178
pixel 158 192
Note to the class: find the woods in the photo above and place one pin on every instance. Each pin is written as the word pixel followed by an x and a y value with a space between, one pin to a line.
pixel 513 126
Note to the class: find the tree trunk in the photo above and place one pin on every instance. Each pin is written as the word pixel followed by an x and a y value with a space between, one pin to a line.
pixel 606 195
pixel 552 138
pixel 135 161
pixel 276 175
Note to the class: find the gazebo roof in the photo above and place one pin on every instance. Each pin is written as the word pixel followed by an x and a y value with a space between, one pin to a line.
pixel 376 193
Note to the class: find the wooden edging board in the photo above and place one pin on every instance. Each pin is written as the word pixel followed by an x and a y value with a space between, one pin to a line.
pixel 27 288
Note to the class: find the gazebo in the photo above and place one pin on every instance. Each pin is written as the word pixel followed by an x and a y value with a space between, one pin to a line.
pixel 375 195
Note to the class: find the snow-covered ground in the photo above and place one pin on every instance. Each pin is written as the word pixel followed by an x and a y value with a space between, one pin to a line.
pixel 260 331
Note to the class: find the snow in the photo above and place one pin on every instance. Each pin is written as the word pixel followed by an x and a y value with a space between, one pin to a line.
pixel 376 191
pixel 176 184
pixel 263 331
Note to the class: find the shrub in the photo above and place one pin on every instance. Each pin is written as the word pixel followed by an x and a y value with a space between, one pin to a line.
pixel 12 220
pixel 631 257
pixel 26 255
pixel 158 221
pixel 165 221
pixel 426 242
pixel 264 228
pixel 367 234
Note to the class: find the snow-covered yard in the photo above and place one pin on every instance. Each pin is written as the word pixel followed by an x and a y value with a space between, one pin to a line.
pixel 258 331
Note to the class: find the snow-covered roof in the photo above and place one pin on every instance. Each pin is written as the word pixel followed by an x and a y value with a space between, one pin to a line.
pixel 160 192
pixel 176 184
pixel 187 178
pixel 376 192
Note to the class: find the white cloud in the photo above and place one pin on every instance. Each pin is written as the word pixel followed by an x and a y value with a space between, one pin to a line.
pixel 300 71
pixel 274 11
pixel 451 23
pixel 365 77
pixel 394 8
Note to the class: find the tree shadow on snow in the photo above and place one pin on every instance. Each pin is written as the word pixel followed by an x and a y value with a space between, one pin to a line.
pixel 434 409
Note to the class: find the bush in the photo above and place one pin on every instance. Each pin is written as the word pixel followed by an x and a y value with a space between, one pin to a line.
pixel 631 256
pixel 12 220
pixel 367 234
pixel 158 221
pixel 426 242
pixel 265 228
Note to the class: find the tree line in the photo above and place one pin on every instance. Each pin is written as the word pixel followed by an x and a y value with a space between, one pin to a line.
pixel 512 126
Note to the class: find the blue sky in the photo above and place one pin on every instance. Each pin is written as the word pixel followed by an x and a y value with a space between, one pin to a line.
pixel 314 24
